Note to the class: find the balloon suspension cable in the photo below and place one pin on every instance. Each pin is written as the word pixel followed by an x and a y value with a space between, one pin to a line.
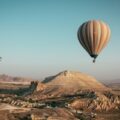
pixel 94 60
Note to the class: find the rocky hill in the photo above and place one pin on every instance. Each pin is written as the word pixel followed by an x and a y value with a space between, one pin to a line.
pixel 76 80
pixel 69 83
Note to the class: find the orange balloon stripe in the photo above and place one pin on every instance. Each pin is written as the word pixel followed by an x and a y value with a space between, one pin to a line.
pixel 107 39
pixel 103 37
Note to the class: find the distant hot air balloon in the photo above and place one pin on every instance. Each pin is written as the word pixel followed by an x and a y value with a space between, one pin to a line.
pixel 0 58
pixel 93 36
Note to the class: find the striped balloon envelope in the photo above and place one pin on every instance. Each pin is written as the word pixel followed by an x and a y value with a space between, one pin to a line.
pixel 93 36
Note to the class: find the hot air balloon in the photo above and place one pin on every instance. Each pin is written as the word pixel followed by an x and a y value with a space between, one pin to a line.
pixel 0 58
pixel 93 36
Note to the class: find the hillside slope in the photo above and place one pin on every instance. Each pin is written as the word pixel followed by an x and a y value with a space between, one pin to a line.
pixel 76 80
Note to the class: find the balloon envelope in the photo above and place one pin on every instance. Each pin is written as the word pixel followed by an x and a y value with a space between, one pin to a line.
pixel 94 36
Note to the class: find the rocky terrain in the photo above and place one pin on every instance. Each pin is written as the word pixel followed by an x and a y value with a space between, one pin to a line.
pixel 66 96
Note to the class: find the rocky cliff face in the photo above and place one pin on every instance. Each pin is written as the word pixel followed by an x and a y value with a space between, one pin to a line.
pixel 40 87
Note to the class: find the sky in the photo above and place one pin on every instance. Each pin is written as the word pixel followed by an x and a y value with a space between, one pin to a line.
pixel 38 38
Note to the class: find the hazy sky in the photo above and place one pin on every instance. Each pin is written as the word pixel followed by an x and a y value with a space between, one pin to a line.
pixel 38 37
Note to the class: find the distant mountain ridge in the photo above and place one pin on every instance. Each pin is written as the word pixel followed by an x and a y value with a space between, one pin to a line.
pixel 7 78
pixel 114 81
pixel 114 86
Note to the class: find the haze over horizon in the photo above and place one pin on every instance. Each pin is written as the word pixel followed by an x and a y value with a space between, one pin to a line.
pixel 39 38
